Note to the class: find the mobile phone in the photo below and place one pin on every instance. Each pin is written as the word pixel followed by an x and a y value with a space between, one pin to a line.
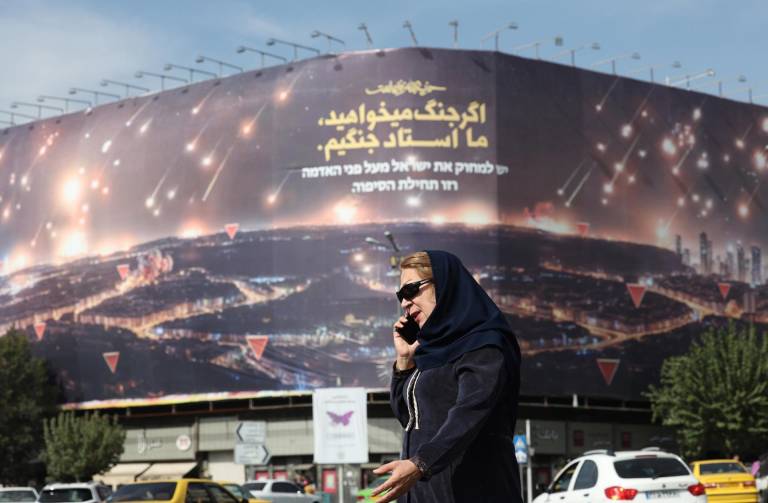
pixel 409 331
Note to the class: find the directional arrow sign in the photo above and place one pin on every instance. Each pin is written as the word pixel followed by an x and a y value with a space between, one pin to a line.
pixel 637 292
pixel 608 367
pixel 724 288
pixel 251 454
pixel 251 432
pixel 40 330
pixel 231 230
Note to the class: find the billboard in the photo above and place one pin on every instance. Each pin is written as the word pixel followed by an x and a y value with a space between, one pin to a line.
pixel 232 237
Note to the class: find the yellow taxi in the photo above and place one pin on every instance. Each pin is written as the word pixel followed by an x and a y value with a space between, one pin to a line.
pixel 177 491
pixel 725 481
pixel 240 492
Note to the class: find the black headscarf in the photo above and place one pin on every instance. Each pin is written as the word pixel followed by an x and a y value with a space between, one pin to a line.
pixel 464 319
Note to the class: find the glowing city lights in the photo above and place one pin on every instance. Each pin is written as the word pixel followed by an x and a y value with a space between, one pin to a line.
pixel 626 130
pixel 106 146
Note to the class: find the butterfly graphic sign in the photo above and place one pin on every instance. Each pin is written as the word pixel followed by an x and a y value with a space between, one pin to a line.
pixel 340 423
pixel 340 419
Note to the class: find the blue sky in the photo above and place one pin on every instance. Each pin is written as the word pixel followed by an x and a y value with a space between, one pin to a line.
pixel 50 46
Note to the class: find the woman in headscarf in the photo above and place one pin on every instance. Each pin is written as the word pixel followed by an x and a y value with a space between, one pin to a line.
pixel 454 390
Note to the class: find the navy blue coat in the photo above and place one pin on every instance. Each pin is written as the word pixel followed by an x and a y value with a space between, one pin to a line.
pixel 459 421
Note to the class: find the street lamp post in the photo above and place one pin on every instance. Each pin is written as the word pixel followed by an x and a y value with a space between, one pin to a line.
pixel 67 101
pixel 612 61
pixel 675 64
pixel 296 47
pixel 495 34
pixel 329 38
pixel 127 86
pixel 39 107
pixel 536 45
pixel 368 40
pixel 719 82
pixel 141 74
pixel 594 46
pixel 17 114
pixel 222 64
pixel 408 26
pixel 455 25
pixel 674 81
pixel 192 71
pixel 241 49
pixel 96 94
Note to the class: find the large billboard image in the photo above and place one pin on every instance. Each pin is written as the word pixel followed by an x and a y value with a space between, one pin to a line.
pixel 236 237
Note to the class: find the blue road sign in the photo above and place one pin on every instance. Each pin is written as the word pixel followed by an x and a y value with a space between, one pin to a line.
pixel 521 449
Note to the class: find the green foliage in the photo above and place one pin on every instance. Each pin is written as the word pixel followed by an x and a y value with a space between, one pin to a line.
pixel 716 395
pixel 79 447
pixel 27 396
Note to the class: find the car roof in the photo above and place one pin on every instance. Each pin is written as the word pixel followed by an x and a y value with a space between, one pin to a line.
pixel 713 461
pixel 627 454
pixel 72 485
pixel 167 481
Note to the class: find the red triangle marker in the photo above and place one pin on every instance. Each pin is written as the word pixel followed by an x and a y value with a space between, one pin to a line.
pixel 123 270
pixel 725 288
pixel 608 367
pixel 40 330
pixel 637 292
pixel 111 360
pixel 583 228
pixel 232 230
pixel 258 344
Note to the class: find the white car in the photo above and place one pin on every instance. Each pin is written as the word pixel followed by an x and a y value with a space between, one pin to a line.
pixel 84 492
pixel 17 495
pixel 279 491
pixel 649 474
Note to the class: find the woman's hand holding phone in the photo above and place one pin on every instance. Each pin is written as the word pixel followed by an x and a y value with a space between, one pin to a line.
pixel 403 347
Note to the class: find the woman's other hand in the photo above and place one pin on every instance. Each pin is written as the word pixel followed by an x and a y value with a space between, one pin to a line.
pixel 404 350
pixel 404 475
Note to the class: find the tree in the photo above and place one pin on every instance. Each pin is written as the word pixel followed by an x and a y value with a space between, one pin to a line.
pixel 716 396
pixel 79 447
pixel 27 396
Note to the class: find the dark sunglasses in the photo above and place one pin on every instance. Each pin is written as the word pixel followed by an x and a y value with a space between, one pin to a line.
pixel 410 290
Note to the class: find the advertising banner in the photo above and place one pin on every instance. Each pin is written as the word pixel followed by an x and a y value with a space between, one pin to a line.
pixel 236 237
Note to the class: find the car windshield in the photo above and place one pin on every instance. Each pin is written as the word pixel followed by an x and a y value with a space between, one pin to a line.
pixel 6 496
pixel 65 495
pixel 234 489
pixel 650 468
pixel 158 491
pixel 255 486
pixel 726 467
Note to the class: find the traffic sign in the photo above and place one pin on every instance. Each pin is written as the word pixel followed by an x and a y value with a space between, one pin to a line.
pixel 251 454
pixel 521 449
pixel 251 432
